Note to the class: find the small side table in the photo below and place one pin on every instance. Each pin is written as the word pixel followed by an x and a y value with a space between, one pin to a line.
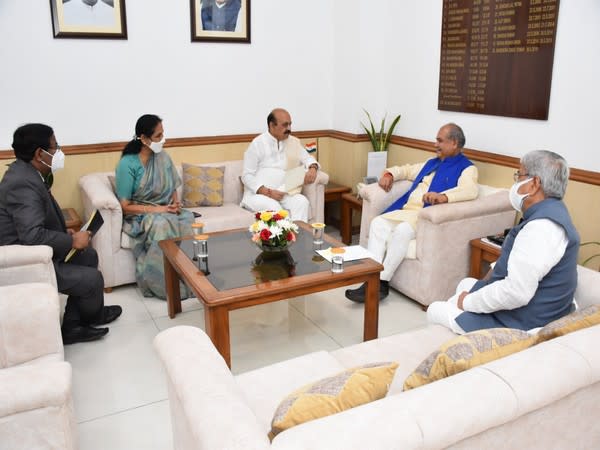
pixel 482 252
pixel 72 219
pixel 333 193
pixel 350 202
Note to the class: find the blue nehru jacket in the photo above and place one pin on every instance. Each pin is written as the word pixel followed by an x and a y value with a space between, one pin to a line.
pixel 447 173
pixel 554 295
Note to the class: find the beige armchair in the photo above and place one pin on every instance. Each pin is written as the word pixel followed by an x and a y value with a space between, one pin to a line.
pixel 25 264
pixel 438 258
pixel 36 407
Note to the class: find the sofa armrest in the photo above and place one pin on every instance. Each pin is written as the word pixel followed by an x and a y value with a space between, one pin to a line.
pixel 588 287
pixel 204 397
pixel 29 323
pixel 36 407
pixel 315 193
pixel 97 193
pixel 26 264
pixel 482 206
pixel 375 201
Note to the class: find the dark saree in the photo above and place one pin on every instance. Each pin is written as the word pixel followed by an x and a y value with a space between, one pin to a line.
pixel 157 185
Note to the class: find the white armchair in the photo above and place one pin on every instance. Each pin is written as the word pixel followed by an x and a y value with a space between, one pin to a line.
pixel 25 264
pixel 36 407
pixel 438 258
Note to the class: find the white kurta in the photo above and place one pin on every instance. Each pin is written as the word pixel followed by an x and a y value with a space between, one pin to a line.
pixel 265 163
pixel 538 247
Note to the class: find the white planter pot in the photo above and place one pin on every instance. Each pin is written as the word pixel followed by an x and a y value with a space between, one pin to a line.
pixel 376 163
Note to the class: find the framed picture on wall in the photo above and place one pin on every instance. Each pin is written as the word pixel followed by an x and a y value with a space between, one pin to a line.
pixel 220 20
pixel 94 19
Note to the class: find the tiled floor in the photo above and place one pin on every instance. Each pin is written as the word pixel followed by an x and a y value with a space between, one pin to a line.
pixel 119 389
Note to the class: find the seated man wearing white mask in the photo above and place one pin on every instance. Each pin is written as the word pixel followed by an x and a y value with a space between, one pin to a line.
pixel 534 279
pixel 266 161
pixel 29 215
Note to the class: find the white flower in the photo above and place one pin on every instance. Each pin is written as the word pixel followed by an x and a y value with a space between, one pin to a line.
pixel 275 231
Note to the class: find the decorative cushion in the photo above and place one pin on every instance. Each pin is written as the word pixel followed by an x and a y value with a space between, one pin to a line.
pixel 347 389
pixel 577 320
pixel 202 185
pixel 466 351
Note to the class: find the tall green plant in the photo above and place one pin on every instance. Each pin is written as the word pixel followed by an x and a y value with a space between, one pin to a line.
pixel 593 256
pixel 380 139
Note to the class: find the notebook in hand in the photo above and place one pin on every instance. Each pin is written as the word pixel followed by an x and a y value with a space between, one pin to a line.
pixel 92 225
pixel 294 178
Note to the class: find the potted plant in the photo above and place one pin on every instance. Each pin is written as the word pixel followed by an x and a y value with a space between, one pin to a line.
pixel 377 159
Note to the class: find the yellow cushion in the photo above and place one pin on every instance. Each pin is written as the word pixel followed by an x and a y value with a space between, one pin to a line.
pixel 466 351
pixel 577 320
pixel 347 389
pixel 202 185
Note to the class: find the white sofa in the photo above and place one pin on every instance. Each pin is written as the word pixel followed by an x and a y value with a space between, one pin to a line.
pixel 438 258
pixel 543 397
pixel 36 406
pixel 116 260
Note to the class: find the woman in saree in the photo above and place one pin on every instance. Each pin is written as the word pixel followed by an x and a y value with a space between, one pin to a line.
pixel 146 185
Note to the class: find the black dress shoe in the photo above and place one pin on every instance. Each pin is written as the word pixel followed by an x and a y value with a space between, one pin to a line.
pixel 108 314
pixel 358 295
pixel 82 333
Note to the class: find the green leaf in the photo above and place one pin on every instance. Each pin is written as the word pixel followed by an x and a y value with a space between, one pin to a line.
pixel 380 140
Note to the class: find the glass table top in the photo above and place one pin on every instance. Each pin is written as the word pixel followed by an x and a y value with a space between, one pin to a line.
pixel 234 261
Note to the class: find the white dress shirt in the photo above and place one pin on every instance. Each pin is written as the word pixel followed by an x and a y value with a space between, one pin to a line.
pixel 266 161
pixel 538 247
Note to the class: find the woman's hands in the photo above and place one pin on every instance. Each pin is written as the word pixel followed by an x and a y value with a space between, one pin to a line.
pixel 173 208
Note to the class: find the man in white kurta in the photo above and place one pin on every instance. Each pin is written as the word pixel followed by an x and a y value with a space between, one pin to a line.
pixel 266 161
pixel 391 232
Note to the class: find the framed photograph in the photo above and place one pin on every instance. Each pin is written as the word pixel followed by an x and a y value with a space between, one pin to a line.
pixel 220 20
pixel 93 19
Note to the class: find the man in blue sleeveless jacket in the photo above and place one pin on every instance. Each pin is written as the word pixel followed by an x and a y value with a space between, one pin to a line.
pixel 449 177
pixel 534 279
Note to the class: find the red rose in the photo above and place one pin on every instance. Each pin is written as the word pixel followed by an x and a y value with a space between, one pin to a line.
pixel 265 234
pixel 277 217
pixel 257 216
pixel 290 236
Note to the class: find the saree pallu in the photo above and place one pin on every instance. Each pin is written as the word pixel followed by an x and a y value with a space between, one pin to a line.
pixel 157 185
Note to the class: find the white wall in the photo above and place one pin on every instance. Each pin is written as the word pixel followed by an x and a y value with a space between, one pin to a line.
pixel 412 41
pixel 324 60
pixel 92 91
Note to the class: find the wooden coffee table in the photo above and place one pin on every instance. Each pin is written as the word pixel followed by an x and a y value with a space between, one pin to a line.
pixel 236 279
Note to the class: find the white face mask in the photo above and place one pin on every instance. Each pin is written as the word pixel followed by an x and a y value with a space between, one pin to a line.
pixel 58 160
pixel 157 147
pixel 516 199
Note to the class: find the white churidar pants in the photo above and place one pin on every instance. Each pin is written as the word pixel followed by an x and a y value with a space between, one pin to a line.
pixel 388 241
pixel 445 313
pixel 296 204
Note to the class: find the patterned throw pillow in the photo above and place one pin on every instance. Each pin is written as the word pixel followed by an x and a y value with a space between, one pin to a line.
pixel 577 320
pixel 466 351
pixel 347 389
pixel 202 185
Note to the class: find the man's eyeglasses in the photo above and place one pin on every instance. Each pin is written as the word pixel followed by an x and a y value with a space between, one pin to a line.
pixel 52 151
pixel 518 175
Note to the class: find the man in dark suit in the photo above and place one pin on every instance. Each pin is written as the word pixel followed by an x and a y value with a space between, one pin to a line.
pixel 220 15
pixel 29 215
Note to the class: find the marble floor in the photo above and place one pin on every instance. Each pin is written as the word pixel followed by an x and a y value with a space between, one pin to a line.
pixel 119 389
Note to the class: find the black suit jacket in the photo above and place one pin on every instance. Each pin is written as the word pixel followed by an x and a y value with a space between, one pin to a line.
pixel 29 215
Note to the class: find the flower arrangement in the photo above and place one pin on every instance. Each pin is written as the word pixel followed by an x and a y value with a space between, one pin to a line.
pixel 273 229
